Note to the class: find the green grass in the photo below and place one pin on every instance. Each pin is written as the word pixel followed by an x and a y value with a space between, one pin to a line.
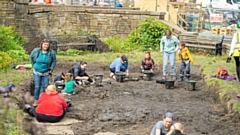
pixel 11 116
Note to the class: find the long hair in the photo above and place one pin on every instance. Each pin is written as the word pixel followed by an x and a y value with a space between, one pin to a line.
pixel 176 126
pixel 43 41
pixel 147 60
pixel 68 76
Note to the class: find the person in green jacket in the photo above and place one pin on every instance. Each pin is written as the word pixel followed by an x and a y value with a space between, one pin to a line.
pixel 70 84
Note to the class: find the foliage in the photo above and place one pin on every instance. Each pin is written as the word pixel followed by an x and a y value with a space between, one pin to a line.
pixel 70 52
pixel 146 37
pixel 18 55
pixel 5 61
pixel 11 43
pixel 9 40
pixel 148 34
pixel 121 45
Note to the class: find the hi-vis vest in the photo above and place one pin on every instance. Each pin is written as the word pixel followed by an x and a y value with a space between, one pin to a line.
pixel 237 45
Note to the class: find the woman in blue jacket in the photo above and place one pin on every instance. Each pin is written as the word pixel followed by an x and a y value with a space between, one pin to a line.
pixel 43 61
pixel 119 64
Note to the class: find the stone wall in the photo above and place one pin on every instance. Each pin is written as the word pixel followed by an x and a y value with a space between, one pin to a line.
pixel 33 20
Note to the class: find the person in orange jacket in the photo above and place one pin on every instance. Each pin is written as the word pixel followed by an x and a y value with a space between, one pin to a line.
pixel 185 57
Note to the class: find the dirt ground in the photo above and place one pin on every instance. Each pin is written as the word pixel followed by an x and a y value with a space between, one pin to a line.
pixel 133 107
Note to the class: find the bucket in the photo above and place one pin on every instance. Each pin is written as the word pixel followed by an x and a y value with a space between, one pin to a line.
pixel 120 76
pixel 59 86
pixel 147 75
pixel 169 84
pixel 190 85
pixel 98 79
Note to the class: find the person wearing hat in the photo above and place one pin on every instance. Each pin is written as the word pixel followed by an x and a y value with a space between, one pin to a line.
pixel 169 47
pixel 163 127
pixel 235 50
pixel 119 65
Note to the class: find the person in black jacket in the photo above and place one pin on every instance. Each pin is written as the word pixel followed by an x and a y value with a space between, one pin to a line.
pixel 176 129
pixel 79 74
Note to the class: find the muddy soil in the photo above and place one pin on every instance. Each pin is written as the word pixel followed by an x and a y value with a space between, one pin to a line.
pixel 101 46
pixel 133 107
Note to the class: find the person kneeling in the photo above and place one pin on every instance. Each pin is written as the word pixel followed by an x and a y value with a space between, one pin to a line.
pixel 119 65
pixel 51 106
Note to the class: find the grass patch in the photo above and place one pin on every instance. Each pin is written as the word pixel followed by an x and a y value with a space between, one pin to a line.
pixel 11 116
pixel 228 89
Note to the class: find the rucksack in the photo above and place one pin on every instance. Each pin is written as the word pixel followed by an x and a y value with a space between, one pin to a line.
pixel 221 72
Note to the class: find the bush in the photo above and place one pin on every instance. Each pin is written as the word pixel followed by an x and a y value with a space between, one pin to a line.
pixel 11 43
pixel 148 34
pixel 5 61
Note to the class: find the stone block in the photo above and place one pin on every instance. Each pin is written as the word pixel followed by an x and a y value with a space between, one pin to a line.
pixel 93 22
pixel 21 1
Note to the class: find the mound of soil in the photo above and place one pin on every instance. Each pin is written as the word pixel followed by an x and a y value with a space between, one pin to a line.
pixel 35 42
pixel 133 107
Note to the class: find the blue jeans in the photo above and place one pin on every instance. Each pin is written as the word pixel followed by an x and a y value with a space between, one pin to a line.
pixel 38 80
pixel 169 56
pixel 182 68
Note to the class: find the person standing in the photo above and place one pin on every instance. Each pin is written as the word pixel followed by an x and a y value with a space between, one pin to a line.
pixel 163 127
pixel 43 61
pixel 119 64
pixel 186 58
pixel 235 50
pixel 169 47
pixel 79 73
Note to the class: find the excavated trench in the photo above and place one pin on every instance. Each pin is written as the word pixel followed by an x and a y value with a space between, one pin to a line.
pixel 133 107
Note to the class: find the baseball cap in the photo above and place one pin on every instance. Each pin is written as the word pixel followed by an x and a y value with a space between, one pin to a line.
pixel 238 25
pixel 124 59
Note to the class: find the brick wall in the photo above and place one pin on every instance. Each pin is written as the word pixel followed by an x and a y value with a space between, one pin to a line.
pixel 33 20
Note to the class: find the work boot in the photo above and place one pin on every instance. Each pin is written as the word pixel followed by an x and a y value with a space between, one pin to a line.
pixel 180 79
pixel 187 79
pixel 35 104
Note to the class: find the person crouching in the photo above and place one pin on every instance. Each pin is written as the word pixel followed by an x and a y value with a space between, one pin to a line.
pixel 119 64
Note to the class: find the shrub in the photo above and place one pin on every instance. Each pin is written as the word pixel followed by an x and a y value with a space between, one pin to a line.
pixel 148 34
pixel 5 61
pixel 11 43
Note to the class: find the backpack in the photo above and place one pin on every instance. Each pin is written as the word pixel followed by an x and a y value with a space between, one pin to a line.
pixel 221 72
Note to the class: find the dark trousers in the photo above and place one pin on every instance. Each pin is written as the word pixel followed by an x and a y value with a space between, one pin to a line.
pixel 183 67
pixel 236 58
pixel 113 70
pixel 45 118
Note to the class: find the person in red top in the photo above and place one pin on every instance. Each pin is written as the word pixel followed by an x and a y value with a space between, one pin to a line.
pixel 51 106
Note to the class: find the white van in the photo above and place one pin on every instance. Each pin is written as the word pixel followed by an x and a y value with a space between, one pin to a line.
pixel 222 4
